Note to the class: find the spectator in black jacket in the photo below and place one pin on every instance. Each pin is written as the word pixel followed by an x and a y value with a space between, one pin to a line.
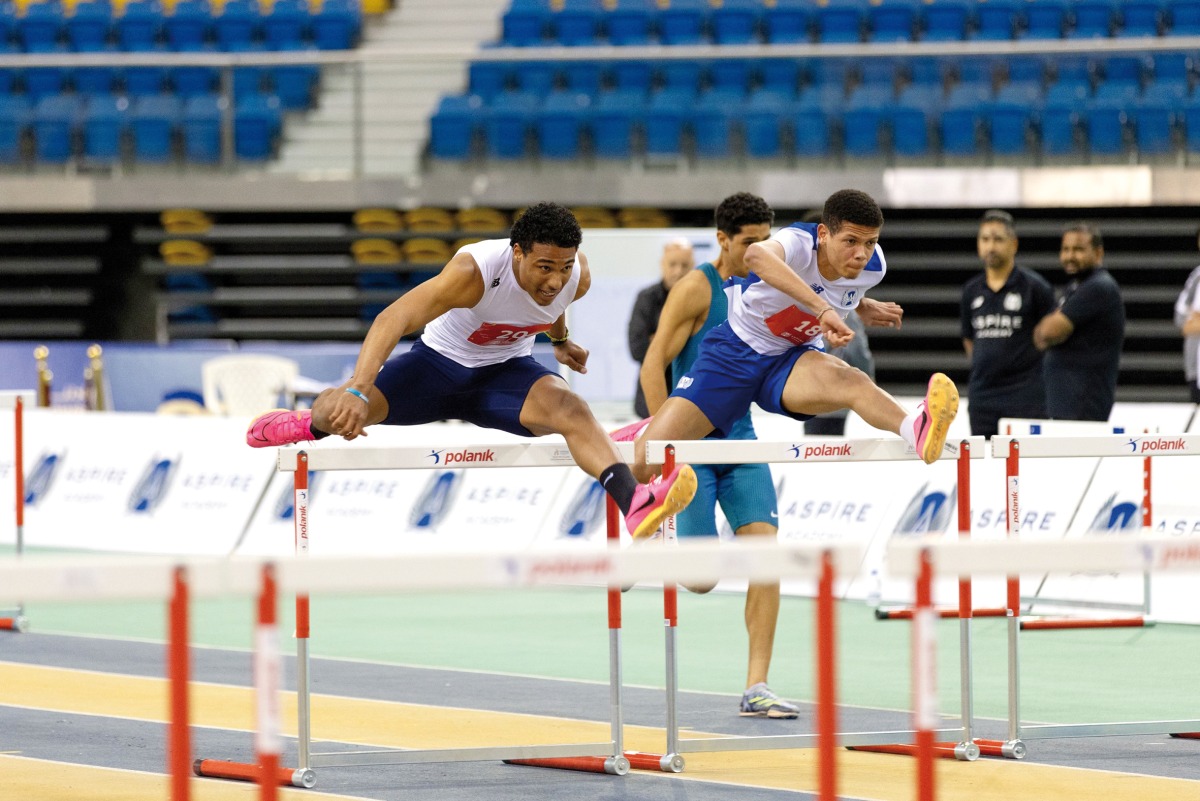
pixel 677 260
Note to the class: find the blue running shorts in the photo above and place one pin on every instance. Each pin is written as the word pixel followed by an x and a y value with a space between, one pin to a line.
pixel 728 375
pixel 746 494
pixel 423 386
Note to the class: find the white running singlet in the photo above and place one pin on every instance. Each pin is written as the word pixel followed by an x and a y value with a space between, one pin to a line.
pixel 769 321
pixel 504 323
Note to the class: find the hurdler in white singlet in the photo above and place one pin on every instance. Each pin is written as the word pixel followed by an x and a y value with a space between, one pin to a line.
pixel 503 324
pixel 769 321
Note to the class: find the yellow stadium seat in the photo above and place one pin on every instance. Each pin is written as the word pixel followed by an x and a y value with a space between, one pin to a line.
pixel 185 221
pixel 378 220
pixel 594 217
pixel 375 251
pixel 184 253
pixel 426 250
pixel 643 217
pixel 427 218
pixel 481 218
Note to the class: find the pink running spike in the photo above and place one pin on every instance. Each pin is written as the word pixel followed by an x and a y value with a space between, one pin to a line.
pixel 630 432
pixel 658 500
pixel 280 427
pixel 937 413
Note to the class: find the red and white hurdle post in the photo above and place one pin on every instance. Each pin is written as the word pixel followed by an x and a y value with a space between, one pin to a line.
pixel 15 620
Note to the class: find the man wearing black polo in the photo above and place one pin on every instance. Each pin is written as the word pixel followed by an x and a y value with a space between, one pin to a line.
pixel 1000 308
pixel 1083 337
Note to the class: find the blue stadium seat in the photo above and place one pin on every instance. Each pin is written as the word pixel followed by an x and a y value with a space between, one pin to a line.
pixel 665 120
pixel 881 72
pixel 1104 121
pixel 736 22
pixel 1009 127
pixel 946 21
pixel 681 75
pixel 763 122
pixel 787 22
pixel 337 25
pixel 488 78
pixel 810 126
pixel 1093 19
pixel 909 122
pixel 452 127
pixel 577 23
pixel 257 121
pixel 1059 123
pixel 1125 69
pixel 287 26
pixel 1045 19
pixel 525 23
pixel 926 95
pixel 560 123
pixel 781 75
pixel 103 126
pixel 864 122
pixel 735 74
pixel 95 80
pixel 8 24
pixel 535 77
pixel 201 127
pixel 630 22
pixel 633 75
pixel 40 29
pixel 838 21
pixel 961 119
pixel 140 26
pixel 1139 18
pixel 190 81
pixel 1170 66
pixel 88 27
pixel 583 76
pixel 926 70
pixel 14 123
pixel 832 76
pixel 892 21
pixel 615 119
pixel 1154 118
pixel 683 22
pixel 997 20
pixel 1184 17
pixel 715 121
pixel 189 27
pixel 237 28
pixel 54 122
pixel 153 120
pixel 294 84
pixel 507 123
pixel 42 82
pixel 1025 69
pixel 142 81
pixel 1021 93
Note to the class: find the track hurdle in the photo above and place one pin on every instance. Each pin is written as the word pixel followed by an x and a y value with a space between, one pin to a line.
pixel 14 619
pixel 1011 449
pixel 841 450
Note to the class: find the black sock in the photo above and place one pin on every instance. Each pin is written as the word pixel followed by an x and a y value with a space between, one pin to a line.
pixel 618 481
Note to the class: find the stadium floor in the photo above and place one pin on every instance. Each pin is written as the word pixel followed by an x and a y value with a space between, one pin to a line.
pixel 82 711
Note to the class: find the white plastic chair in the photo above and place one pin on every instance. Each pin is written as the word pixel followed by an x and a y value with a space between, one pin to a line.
pixel 248 384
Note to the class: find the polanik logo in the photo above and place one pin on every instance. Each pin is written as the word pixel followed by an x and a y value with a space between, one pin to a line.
pixel 1157 445
pixel 448 457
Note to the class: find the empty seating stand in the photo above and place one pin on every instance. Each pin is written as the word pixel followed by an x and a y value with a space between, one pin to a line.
pixel 50 288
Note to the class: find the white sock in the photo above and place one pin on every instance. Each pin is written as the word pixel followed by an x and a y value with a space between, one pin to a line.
pixel 908 427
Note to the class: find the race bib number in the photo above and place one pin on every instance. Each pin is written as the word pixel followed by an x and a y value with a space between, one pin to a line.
pixel 794 324
pixel 504 333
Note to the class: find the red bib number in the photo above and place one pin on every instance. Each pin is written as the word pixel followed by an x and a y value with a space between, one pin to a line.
pixel 504 333
pixel 794 324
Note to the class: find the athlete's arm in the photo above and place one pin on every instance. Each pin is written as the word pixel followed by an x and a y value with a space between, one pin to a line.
pixel 969 347
pixel 681 316
pixel 765 259
pixel 569 353
pixel 1052 330
pixel 1191 326
pixel 880 313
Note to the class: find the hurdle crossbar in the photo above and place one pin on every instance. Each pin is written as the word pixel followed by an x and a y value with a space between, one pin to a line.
pixel 816 450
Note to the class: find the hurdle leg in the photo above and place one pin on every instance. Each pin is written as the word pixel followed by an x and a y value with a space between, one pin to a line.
pixel 179 742
pixel 17 620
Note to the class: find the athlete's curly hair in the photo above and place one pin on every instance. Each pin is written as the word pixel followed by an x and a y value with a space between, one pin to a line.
pixel 851 206
pixel 742 209
pixel 547 223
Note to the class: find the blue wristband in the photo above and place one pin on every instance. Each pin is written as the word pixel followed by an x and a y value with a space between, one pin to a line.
pixel 358 394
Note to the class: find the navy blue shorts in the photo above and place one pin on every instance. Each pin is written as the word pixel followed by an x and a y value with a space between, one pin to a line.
pixel 423 386
pixel 728 375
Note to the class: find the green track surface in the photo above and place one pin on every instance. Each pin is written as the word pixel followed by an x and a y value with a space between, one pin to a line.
pixel 1082 676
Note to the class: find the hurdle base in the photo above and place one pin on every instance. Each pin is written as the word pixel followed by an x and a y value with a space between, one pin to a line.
pixel 1058 624
pixel 17 623
pixel 964 752
pixel 1186 735
pixel 617 766
pixel 906 613
pixel 242 771
pixel 1009 749
pixel 667 763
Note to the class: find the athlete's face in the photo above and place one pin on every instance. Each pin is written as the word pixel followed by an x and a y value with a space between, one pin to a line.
pixel 734 247
pixel 1077 253
pixel 997 245
pixel 847 252
pixel 543 271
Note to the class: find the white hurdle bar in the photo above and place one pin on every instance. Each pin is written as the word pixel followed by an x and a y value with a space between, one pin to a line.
pixel 14 619
pixel 1012 449
pixel 830 450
